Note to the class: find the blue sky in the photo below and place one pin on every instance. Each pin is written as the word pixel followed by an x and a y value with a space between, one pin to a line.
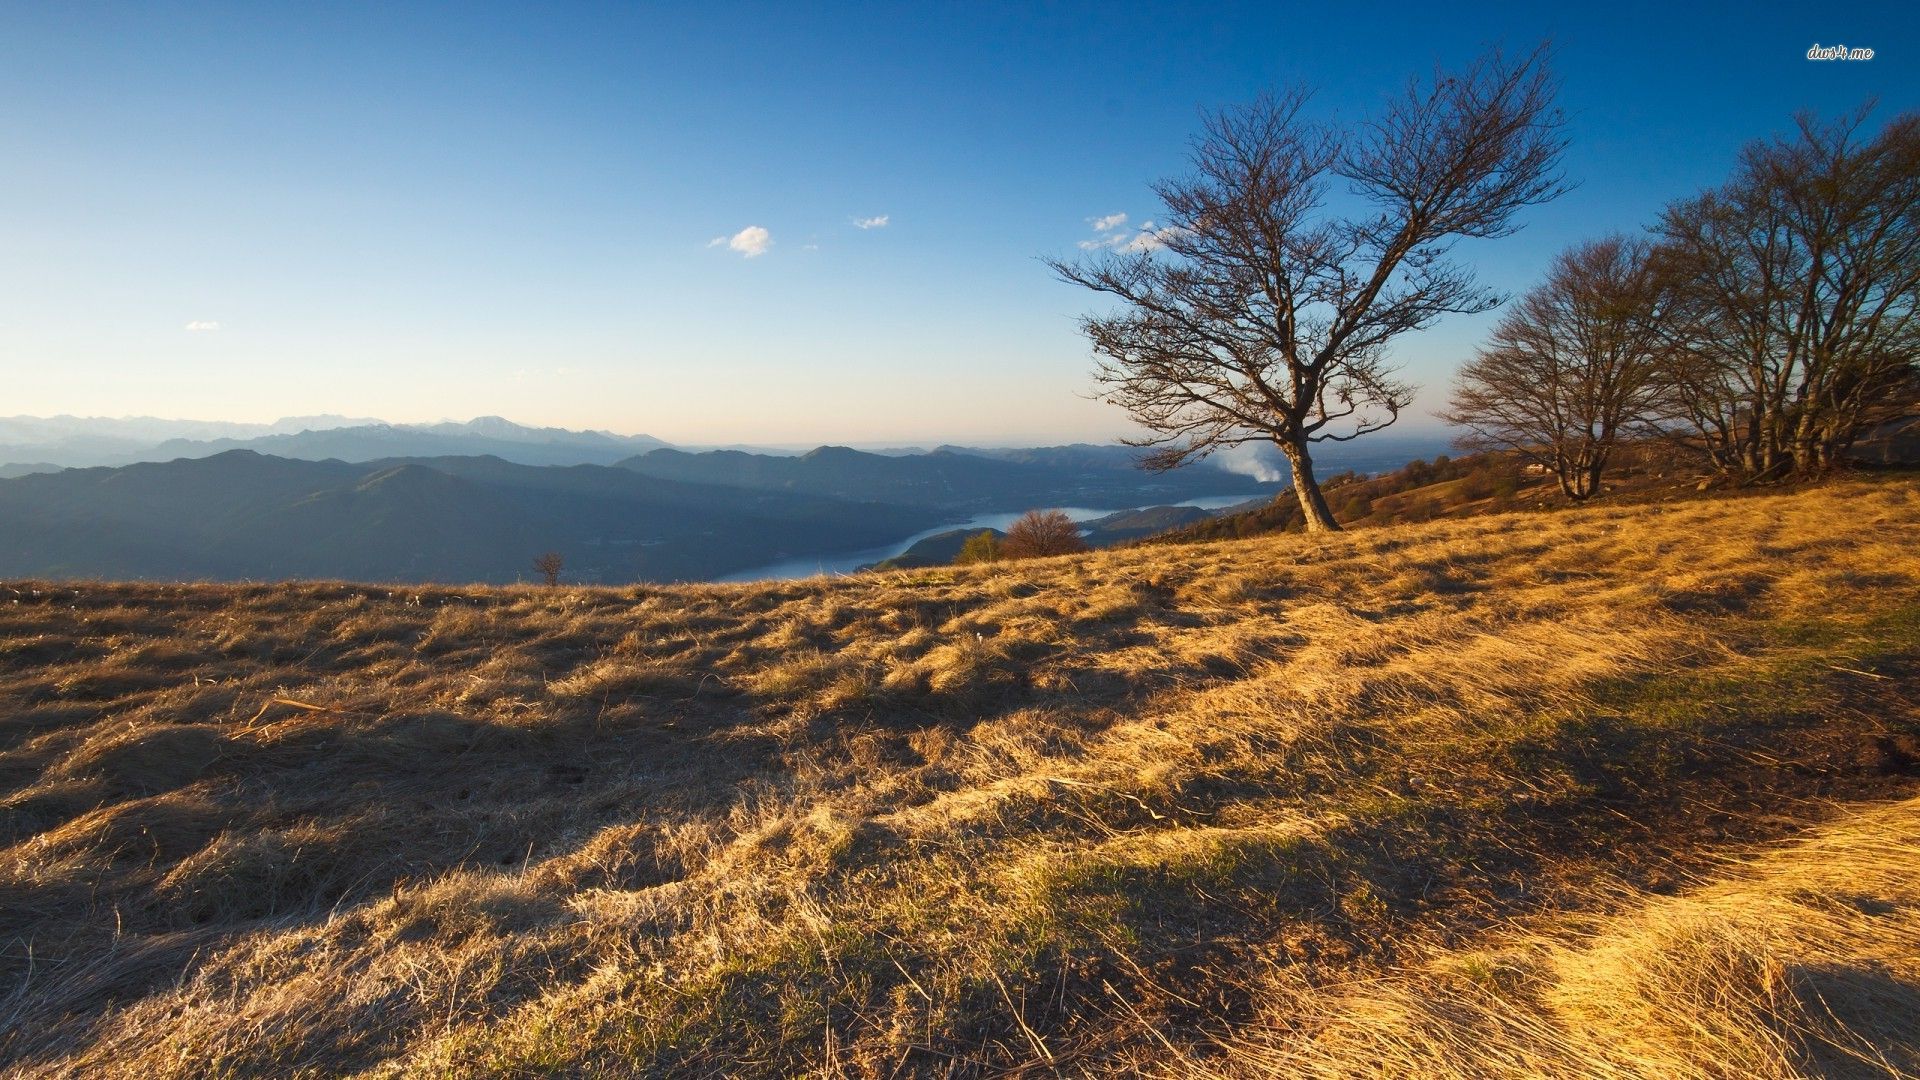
pixel 424 212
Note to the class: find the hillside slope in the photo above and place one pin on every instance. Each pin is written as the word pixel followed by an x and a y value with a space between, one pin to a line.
pixel 1455 799
pixel 950 480
pixel 244 516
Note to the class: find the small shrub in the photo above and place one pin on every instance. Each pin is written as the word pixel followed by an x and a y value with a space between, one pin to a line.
pixel 981 547
pixel 1039 533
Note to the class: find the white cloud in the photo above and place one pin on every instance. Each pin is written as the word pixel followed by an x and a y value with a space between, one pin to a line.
pixel 1149 238
pixel 752 241
pixel 1111 234
pixel 203 326
pixel 879 222
pixel 716 241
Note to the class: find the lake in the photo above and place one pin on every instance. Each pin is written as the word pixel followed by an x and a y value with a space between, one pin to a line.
pixel 849 561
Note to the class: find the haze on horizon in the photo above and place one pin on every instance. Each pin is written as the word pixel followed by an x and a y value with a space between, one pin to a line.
pixel 742 224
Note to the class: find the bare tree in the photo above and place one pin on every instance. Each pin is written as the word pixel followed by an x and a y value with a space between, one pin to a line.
pixel 1256 313
pixel 549 564
pixel 1797 284
pixel 1038 533
pixel 1571 368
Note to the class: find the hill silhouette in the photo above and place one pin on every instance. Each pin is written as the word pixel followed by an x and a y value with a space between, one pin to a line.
pixel 950 479
pixel 240 515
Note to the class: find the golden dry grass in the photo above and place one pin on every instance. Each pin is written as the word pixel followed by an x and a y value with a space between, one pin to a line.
pixel 1391 802
pixel 1802 961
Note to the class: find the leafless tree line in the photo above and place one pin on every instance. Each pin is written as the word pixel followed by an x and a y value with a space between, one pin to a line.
pixel 1764 323
pixel 1795 295
pixel 1571 367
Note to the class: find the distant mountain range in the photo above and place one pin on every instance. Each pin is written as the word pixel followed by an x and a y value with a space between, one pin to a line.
pixel 666 515
pixel 87 441
pixel 74 441
pixel 952 479
pixel 485 436
pixel 345 497
pixel 39 444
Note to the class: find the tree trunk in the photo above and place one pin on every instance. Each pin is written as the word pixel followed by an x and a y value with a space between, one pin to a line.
pixel 1580 475
pixel 1573 483
pixel 1313 504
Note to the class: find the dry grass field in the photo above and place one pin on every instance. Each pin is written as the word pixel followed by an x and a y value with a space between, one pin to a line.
pixel 1620 792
